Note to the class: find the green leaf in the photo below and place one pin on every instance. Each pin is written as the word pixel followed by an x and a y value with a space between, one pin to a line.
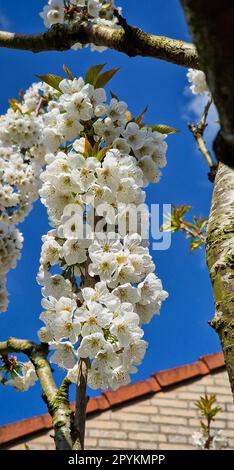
pixel 164 129
pixel 87 148
pixel 138 120
pixel 68 72
pixel 195 244
pixel 93 73
pixel 21 95
pixel 105 77
pixel 14 104
pixel 101 154
pixel 52 80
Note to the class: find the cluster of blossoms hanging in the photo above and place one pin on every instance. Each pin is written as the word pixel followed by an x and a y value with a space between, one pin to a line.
pixel 104 288
pixel 97 12
pixel 197 80
pixel 90 159
pixel 11 242
pixel 22 154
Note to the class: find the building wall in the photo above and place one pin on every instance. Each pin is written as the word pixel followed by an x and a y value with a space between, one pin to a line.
pixel 162 421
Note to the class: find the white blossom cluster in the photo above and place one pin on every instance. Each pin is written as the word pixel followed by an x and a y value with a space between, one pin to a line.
pixel 11 242
pixel 197 80
pixel 218 440
pixel 21 158
pixel 99 289
pixel 24 379
pixel 98 12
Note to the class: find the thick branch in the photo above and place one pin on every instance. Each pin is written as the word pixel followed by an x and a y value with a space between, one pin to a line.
pixel 211 24
pixel 129 40
pixel 56 400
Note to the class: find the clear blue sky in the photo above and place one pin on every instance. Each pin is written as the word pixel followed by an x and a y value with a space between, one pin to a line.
pixel 181 333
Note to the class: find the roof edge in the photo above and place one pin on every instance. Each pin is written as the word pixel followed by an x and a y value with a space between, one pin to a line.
pixel 109 399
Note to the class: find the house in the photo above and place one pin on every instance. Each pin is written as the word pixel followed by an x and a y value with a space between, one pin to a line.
pixel 157 413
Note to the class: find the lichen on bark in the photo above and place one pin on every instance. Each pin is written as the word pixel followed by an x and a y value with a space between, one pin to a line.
pixel 220 261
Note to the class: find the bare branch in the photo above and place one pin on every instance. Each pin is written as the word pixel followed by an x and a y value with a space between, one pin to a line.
pixel 198 134
pixel 129 40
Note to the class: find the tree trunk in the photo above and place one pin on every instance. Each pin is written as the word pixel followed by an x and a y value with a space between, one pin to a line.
pixel 220 261
pixel 211 25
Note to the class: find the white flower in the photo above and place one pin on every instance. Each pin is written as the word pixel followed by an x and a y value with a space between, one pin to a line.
pixel 116 110
pixel 149 169
pixel 106 130
pixel 151 291
pixel 54 285
pixel 69 87
pixel 121 145
pixel 94 8
pixel 135 352
pixel 219 440
pixel 126 328
pixel 91 345
pixel 86 169
pixel 127 293
pixel 25 379
pixel 74 251
pixel 64 355
pixel 80 106
pixel 134 136
pixel 198 440
pixel 119 377
pixel 103 266
pixel 53 12
pixel 66 327
pixel 50 252
pixel 100 294
pixel 94 318
pixel 68 126
pixel 96 379
pixel 197 79
pixel 107 243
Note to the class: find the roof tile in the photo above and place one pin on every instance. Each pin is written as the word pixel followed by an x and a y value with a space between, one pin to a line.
pixel 132 391
pixel 179 374
pixel 108 399
pixel 213 361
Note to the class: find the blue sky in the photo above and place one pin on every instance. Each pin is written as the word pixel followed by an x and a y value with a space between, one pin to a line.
pixel 181 334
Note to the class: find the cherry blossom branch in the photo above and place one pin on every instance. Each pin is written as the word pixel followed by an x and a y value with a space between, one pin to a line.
pixel 198 134
pixel 56 399
pixel 129 40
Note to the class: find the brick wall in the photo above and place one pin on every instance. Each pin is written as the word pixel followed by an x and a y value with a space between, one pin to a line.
pixel 163 421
